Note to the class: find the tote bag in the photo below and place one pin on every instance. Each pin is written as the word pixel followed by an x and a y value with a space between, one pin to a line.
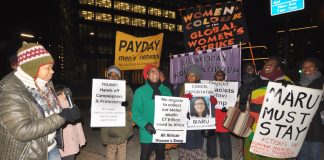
pixel 238 122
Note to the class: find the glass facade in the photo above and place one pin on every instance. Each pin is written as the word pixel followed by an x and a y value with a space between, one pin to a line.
pixel 154 24
pixel 97 40
pixel 103 3
pixel 87 15
pixel 103 17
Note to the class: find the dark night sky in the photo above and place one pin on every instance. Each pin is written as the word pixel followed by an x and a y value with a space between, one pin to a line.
pixel 30 16
pixel 25 16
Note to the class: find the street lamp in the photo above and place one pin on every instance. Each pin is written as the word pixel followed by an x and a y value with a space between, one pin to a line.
pixel 26 35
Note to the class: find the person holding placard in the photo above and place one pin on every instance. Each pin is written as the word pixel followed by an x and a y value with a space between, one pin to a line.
pixel 143 110
pixel 192 149
pixel 221 131
pixel 271 71
pixel 311 77
pixel 116 137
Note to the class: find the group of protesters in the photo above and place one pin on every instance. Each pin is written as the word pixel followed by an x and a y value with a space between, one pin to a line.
pixel 33 112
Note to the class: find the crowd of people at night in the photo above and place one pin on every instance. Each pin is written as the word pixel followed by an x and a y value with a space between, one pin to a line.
pixel 38 122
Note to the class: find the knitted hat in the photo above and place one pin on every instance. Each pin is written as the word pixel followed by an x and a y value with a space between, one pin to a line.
pixel 114 69
pixel 146 69
pixel 194 69
pixel 31 57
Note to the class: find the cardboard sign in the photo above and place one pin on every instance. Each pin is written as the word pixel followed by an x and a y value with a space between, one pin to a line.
pixel 225 93
pixel 170 119
pixel 284 120
pixel 202 114
pixel 106 99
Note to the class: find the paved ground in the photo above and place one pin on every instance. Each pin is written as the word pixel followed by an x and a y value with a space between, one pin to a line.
pixel 94 150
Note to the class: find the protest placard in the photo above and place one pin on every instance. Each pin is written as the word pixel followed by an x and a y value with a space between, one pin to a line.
pixel 284 120
pixel 202 116
pixel 170 119
pixel 106 99
pixel 225 93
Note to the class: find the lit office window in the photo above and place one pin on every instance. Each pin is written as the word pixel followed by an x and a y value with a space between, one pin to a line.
pixel 139 9
pixel 154 24
pixel 87 15
pixel 122 6
pixel 179 28
pixel 169 26
pixel 103 17
pixel 103 3
pixel 88 2
pixel 122 20
pixel 83 1
pixel 154 11
pixel 169 14
pixel 138 22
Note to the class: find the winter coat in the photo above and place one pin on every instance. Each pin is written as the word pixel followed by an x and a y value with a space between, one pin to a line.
pixel 118 135
pixel 316 129
pixel 23 126
pixel 73 136
pixel 143 108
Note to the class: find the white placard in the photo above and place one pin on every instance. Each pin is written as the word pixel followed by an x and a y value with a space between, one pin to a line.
pixel 106 109
pixel 284 120
pixel 170 119
pixel 225 93
pixel 202 114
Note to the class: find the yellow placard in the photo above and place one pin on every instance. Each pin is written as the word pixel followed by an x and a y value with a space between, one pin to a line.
pixel 133 53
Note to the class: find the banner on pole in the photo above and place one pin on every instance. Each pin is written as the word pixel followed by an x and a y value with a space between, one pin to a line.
pixel 133 53
pixel 227 60
pixel 214 26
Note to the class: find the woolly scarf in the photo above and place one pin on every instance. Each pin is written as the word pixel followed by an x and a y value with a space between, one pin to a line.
pixel 155 87
pixel 47 100
pixel 272 76
pixel 306 80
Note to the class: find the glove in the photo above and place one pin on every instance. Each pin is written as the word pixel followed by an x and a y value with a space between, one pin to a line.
pixel 71 114
pixel 224 109
pixel 150 128
pixel 284 83
pixel 189 95
pixel 188 115
pixel 212 100
pixel 125 103
pixel 207 133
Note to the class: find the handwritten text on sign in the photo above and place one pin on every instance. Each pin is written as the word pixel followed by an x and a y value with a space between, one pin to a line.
pixel 106 109
pixel 284 120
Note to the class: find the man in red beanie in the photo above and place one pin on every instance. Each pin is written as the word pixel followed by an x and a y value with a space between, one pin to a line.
pixel 143 111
